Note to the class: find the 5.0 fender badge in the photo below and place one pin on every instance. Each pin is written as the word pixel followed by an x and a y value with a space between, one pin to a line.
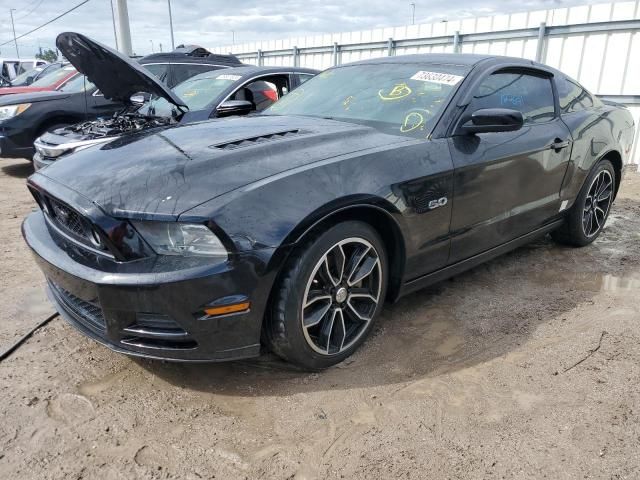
pixel 441 202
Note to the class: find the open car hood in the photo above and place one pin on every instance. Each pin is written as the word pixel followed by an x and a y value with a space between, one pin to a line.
pixel 117 76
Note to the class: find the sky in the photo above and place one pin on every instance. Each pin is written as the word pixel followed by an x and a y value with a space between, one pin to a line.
pixel 219 22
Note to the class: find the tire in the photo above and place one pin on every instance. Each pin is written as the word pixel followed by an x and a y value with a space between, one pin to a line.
pixel 578 230
pixel 340 308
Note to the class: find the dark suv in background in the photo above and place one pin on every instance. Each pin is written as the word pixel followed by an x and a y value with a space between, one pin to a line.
pixel 185 62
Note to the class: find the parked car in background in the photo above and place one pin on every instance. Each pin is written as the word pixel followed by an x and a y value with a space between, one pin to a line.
pixel 53 81
pixel 292 227
pixel 36 73
pixel 10 68
pixel 233 91
pixel 25 117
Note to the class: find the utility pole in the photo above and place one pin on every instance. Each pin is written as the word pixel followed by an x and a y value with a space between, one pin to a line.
pixel 173 45
pixel 123 30
pixel 15 40
pixel 233 37
pixel 413 13
pixel 151 46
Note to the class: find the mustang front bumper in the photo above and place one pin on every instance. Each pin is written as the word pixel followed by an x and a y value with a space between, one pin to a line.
pixel 153 308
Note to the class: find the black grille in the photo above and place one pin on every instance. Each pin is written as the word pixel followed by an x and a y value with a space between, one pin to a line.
pixel 88 313
pixel 69 219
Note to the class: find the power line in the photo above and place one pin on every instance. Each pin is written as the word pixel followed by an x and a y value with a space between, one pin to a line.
pixel 47 23
pixel 30 11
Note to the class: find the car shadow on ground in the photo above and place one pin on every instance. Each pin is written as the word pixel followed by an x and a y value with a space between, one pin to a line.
pixel 474 317
pixel 18 170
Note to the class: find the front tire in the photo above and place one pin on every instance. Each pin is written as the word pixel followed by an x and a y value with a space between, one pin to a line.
pixel 589 213
pixel 329 296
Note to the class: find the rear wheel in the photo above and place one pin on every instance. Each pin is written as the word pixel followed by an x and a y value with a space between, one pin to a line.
pixel 329 296
pixel 591 209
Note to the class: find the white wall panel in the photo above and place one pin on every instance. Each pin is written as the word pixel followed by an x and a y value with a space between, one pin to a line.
pixel 607 63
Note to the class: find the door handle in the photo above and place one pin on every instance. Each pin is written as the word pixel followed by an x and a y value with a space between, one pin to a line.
pixel 558 144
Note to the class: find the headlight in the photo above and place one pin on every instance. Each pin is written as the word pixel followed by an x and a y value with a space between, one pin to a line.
pixel 11 111
pixel 175 238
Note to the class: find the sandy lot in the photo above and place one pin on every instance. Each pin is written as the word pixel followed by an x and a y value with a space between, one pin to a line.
pixel 526 367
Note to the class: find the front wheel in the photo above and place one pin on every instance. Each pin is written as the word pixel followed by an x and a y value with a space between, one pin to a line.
pixel 589 213
pixel 329 296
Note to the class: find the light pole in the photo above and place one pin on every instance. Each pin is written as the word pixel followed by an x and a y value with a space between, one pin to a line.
pixel 152 51
pixel 124 32
pixel 113 17
pixel 233 37
pixel 413 13
pixel 173 45
pixel 13 27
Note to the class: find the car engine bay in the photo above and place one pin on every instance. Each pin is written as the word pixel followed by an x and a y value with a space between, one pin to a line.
pixel 117 125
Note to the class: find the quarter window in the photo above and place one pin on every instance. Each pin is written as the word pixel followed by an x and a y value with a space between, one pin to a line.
pixel 572 97
pixel 530 94
pixel 303 77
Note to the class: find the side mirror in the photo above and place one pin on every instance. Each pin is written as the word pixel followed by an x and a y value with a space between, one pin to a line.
pixel 234 107
pixel 138 99
pixel 29 80
pixel 493 120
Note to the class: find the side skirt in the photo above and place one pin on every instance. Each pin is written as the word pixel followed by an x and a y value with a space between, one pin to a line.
pixel 461 266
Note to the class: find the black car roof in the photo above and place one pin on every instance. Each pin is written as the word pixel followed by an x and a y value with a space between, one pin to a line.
pixel 253 69
pixel 180 57
pixel 458 59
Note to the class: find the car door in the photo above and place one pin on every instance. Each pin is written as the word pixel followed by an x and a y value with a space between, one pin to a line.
pixel 507 184
pixel 100 106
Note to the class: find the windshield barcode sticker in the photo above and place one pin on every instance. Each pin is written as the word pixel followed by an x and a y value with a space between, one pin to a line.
pixel 233 78
pixel 437 77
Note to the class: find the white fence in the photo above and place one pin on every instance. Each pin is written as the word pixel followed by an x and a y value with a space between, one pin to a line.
pixel 599 45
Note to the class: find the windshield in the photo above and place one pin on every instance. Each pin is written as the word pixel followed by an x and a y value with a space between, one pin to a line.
pixel 393 97
pixel 79 83
pixel 197 93
pixel 22 78
pixel 53 77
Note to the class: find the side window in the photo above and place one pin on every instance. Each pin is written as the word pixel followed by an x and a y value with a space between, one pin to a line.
pixel 530 94
pixel 264 92
pixel 159 70
pixel 24 66
pixel 572 97
pixel 182 72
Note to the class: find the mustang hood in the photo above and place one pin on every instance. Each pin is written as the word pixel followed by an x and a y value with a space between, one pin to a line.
pixel 117 76
pixel 166 172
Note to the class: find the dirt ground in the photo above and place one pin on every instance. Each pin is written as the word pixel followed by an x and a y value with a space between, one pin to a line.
pixel 526 367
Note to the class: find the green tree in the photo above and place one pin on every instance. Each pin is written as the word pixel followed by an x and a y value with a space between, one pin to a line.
pixel 47 55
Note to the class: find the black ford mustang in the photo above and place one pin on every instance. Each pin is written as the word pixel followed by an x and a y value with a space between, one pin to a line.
pixel 291 228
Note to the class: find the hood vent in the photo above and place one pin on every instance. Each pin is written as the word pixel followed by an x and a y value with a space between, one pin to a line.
pixel 248 142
